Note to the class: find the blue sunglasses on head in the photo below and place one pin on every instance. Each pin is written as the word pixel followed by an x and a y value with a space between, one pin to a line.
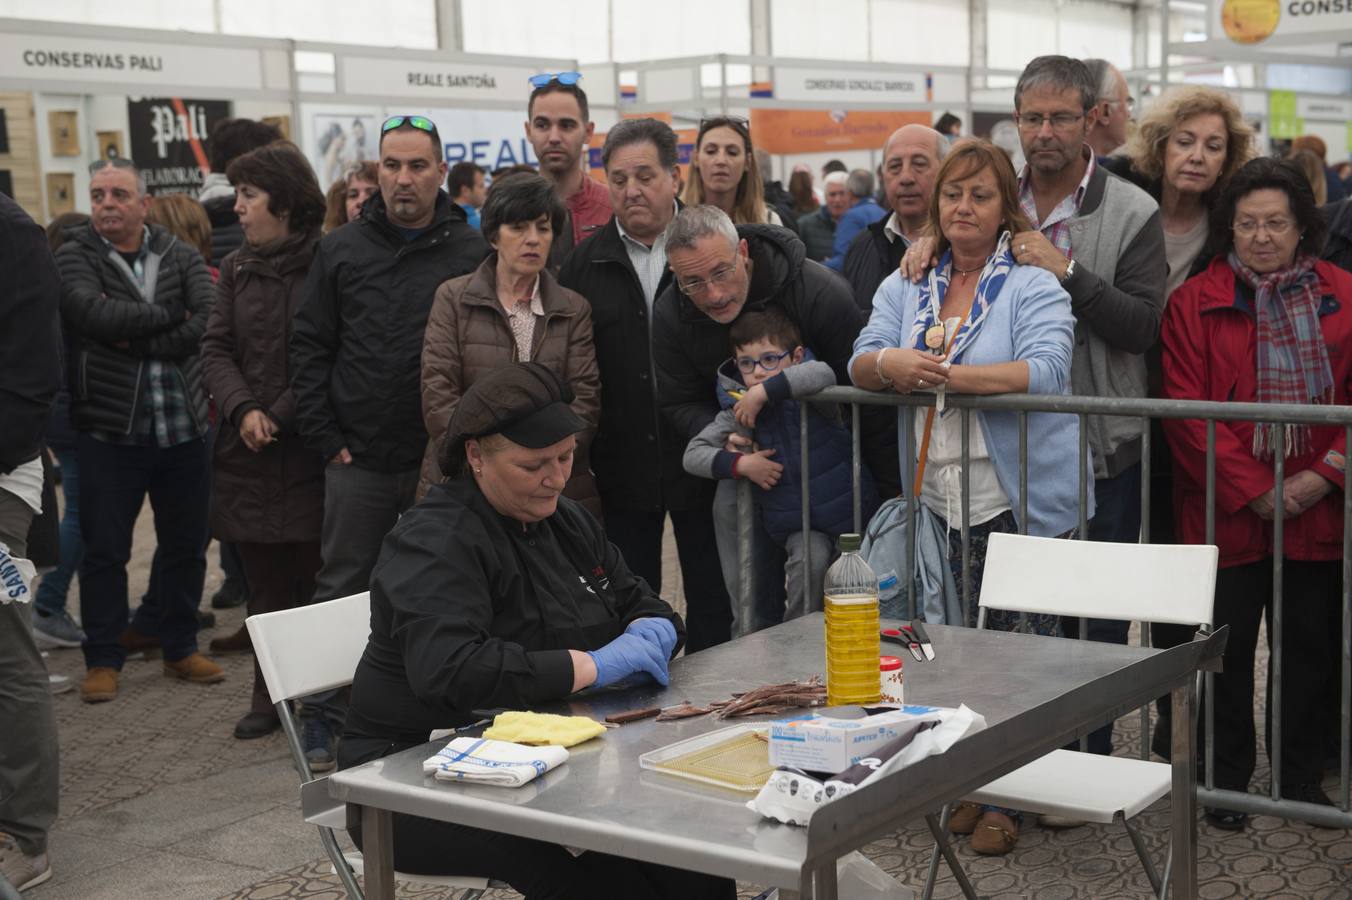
pixel 564 78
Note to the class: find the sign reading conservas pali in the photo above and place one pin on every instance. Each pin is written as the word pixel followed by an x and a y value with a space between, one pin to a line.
pixel 169 140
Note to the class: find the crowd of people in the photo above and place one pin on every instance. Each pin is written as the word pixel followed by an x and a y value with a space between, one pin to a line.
pixel 481 396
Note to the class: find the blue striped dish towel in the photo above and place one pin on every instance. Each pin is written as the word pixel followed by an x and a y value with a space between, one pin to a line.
pixel 485 761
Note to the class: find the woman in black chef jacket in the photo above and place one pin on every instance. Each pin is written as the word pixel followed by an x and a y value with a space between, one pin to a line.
pixel 496 591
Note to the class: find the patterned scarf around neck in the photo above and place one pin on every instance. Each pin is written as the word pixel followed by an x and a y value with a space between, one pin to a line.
pixel 935 286
pixel 1293 362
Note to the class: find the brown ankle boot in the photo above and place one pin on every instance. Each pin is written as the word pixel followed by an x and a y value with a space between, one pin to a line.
pixel 134 641
pixel 195 668
pixel 239 642
pixel 100 685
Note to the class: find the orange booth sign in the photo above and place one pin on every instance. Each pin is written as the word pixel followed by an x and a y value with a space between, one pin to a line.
pixel 826 131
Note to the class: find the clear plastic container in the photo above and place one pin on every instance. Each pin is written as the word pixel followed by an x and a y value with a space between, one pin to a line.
pixel 851 606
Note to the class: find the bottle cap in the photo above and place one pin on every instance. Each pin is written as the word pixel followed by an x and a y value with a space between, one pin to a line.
pixel 889 663
pixel 850 543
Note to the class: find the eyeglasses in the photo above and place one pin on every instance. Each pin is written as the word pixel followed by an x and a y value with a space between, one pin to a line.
pixel 116 162
pixel 736 122
pixel 1034 121
pixel 1274 227
pixel 564 78
pixel 767 361
pixel 422 123
pixel 694 288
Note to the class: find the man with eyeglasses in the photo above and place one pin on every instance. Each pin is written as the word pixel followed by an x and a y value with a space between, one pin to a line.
pixel 135 302
pixel 355 356
pixel 720 271
pixel 1114 105
pixel 559 127
pixel 1103 240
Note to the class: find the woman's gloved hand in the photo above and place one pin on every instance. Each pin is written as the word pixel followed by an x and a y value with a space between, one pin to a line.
pixel 660 631
pixel 627 655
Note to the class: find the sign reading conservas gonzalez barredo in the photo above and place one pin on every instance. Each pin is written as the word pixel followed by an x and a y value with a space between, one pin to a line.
pixel 1254 21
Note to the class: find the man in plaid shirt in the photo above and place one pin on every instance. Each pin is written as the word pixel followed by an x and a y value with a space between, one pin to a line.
pixel 135 301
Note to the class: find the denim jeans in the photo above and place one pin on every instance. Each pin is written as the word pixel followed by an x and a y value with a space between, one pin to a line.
pixel 115 480
pixel 55 585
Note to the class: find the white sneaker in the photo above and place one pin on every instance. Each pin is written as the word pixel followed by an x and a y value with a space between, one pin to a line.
pixel 22 871
pixel 60 683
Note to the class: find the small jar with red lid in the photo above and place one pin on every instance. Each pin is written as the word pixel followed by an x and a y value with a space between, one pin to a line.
pixel 889 673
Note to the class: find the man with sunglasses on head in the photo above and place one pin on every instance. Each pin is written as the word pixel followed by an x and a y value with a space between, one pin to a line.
pixel 135 301
pixel 720 271
pixel 559 127
pixel 355 355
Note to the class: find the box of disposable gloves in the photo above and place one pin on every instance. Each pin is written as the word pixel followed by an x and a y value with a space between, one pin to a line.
pixel 819 742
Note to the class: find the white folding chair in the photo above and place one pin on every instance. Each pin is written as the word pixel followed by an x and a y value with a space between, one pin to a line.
pixel 316 648
pixel 1171 583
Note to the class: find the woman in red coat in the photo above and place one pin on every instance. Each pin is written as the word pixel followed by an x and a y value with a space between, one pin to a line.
pixel 1268 323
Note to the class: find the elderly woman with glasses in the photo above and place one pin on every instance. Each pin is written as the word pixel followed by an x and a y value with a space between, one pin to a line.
pixel 1267 322
pixel 723 172
pixel 511 309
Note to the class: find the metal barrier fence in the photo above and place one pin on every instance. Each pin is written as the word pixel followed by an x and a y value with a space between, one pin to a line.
pixel 1281 415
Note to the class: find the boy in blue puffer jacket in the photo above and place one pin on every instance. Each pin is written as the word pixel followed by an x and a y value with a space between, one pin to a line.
pixel 758 390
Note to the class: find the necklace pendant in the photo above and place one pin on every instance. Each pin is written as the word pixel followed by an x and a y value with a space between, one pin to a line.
pixel 934 337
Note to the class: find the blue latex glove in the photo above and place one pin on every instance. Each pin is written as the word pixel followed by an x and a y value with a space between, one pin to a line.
pixel 660 631
pixel 627 655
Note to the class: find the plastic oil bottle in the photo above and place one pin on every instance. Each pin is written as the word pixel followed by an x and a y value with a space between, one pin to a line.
pixel 851 605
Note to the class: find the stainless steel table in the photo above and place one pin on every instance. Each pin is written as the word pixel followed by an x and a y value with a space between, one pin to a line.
pixel 1036 694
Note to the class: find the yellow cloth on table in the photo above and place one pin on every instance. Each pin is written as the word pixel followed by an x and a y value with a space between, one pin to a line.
pixel 542 728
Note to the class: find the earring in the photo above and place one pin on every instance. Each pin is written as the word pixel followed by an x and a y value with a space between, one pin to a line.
pixel 478 470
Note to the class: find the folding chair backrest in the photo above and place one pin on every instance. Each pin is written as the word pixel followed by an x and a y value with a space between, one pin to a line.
pixel 311 648
pixel 1172 583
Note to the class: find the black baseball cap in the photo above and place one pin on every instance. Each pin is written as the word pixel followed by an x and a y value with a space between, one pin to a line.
pixel 524 402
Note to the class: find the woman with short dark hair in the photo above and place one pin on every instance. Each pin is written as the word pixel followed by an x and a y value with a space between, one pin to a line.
pixel 269 487
pixel 511 309
pixel 1265 323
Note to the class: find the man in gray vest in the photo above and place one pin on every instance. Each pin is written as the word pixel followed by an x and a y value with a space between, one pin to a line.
pixel 1102 239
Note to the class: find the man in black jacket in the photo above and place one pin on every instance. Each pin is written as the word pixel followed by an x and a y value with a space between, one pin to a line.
pixel 135 301
pixel 636 456
pixel 30 353
pixel 356 351
pixel 911 160
pixel 721 270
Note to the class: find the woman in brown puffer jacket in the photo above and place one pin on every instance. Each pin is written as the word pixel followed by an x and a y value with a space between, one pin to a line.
pixel 268 486
pixel 511 310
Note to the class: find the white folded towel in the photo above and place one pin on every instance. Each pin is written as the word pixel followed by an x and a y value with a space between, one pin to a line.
pixel 484 761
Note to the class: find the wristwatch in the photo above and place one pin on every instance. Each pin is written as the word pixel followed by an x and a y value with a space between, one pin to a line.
pixel 1070 270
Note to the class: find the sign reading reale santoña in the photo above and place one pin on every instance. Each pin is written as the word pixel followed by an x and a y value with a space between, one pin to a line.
pixel 67 58
pixel 433 79
pixel 169 140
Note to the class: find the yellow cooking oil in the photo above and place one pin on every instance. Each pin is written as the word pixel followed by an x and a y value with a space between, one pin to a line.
pixel 851 606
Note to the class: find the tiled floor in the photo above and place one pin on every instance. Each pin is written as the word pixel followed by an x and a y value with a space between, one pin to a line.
pixel 159 801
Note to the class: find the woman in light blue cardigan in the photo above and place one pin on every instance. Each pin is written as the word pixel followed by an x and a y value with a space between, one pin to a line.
pixel 980 324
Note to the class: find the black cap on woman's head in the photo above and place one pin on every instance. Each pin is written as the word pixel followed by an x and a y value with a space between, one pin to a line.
pixel 524 402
